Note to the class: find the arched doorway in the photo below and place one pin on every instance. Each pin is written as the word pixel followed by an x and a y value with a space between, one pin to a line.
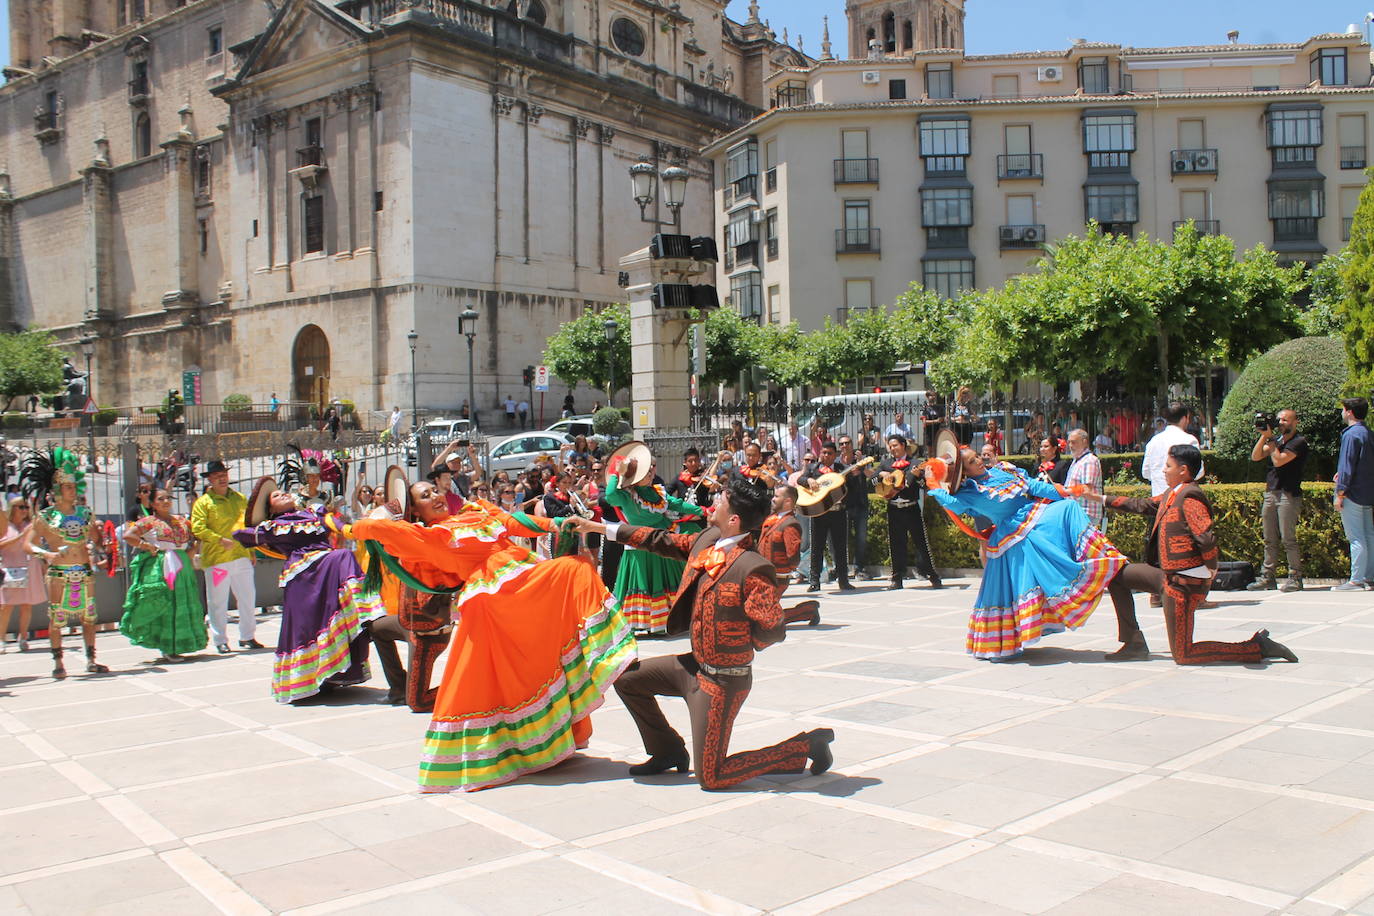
pixel 310 367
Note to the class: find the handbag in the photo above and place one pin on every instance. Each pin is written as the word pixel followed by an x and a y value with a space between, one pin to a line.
pixel 15 577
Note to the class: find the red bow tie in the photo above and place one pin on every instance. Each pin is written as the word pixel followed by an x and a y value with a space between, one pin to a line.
pixel 712 561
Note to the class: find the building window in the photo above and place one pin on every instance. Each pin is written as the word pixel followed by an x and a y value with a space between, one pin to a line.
pixel 1113 205
pixel 204 236
pixel 746 293
pixel 534 12
pixel 947 277
pixel 947 207
pixel 770 234
pixel 143 136
pixel 857 234
pixel 1295 207
pixel 791 93
pixel 896 89
pixel 1006 87
pixel 945 145
pixel 139 10
pixel 742 169
pixel 908 41
pixel 628 37
pixel 940 81
pixel 313 221
pixel 1092 76
pixel 1328 66
pixel 1351 131
pixel 1108 141
pixel 890 32
pixel 770 166
pixel 775 305
pixel 1350 199
pixel 202 171
pixel 1294 135
pixel 741 238
pixel 215 41
pixel 138 80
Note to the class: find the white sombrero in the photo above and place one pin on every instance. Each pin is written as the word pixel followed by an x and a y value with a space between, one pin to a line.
pixel 632 451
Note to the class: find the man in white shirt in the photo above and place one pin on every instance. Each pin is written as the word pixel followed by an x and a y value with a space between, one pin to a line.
pixel 510 410
pixel 394 424
pixel 795 446
pixel 1175 432
pixel 898 427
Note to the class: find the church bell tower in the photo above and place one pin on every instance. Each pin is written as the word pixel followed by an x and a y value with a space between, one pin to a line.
pixel 903 26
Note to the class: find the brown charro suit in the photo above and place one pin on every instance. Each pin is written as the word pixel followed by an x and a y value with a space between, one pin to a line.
pixel 780 542
pixel 728 602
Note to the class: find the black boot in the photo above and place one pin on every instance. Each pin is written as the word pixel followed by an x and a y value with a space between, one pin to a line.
pixel 91 666
pixel 1133 650
pixel 1272 649
pixel 935 580
pixel 662 763
pixel 808 612
pixel 819 752
pixel 59 671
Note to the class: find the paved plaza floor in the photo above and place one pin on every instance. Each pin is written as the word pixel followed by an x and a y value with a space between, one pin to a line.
pixel 1056 784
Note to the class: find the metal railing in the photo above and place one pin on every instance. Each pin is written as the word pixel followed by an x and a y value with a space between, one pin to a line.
pixel 1013 166
pixel 946 166
pixel 856 171
pixel 310 155
pixel 138 88
pixel 858 241
pixel 1204 226
pixel 1024 236
pixel 1194 161
pixel 1353 157
pixel 1295 229
pixel 44 120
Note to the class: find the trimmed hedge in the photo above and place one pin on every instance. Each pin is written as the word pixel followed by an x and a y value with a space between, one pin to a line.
pixel 1325 551
pixel 1308 375
pixel 1219 469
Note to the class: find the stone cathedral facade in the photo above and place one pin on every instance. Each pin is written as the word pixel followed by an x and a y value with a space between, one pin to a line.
pixel 278 195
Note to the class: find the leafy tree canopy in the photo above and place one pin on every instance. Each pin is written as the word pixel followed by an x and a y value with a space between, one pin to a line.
pixel 1356 309
pixel 30 363
pixel 577 352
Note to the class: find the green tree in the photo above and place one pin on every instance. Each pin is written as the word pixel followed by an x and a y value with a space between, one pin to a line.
pixel 788 354
pixel 1149 310
pixel 1326 289
pixel 927 326
pixel 733 344
pixel 30 363
pixel 1356 309
pixel 973 355
pixel 577 352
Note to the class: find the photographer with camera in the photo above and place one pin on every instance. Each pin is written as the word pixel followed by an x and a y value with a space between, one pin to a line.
pixel 1286 451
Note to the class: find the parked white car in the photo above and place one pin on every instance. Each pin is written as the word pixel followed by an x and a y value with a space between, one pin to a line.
pixel 515 453
pixel 582 426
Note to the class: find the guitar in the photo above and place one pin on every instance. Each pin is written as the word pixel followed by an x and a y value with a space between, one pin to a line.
pixel 827 491
pixel 889 483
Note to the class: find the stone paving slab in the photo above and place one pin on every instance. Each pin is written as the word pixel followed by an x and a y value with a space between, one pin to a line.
pixel 1056 784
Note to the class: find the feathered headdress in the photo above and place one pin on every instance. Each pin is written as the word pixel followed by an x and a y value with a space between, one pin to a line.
pixel 41 473
pixel 293 468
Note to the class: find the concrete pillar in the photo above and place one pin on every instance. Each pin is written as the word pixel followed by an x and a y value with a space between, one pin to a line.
pixel 97 189
pixel 182 231
pixel 660 354
pixel 8 321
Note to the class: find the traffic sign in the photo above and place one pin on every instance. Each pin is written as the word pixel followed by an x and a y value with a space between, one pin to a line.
pixel 541 378
pixel 90 406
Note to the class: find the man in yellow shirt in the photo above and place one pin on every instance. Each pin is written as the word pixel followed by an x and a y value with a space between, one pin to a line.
pixel 228 566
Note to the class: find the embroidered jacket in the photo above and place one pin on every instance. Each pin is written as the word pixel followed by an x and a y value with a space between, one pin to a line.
pixel 727 598
pixel 1181 535
pixel 781 541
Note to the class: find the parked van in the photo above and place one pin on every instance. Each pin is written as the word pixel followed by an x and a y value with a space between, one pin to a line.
pixel 844 413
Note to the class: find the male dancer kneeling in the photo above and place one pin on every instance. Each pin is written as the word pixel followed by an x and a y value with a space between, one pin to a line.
pixel 729 599
pixel 1181 556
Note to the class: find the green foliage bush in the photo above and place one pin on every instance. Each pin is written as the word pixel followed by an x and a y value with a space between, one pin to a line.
pixel 106 416
pixel 1236 508
pixel 1307 374
pixel 16 420
pixel 1219 468
pixel 606 422
pixel 346 407
pixel 237 403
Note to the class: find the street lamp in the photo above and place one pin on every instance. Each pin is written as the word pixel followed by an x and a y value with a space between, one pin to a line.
pixel 467 326
pixel 610 327
pixel 644 179
pixel 88 349
pixel 414 408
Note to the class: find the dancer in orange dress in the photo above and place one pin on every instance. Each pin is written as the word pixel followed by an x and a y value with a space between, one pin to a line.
pixel 536 646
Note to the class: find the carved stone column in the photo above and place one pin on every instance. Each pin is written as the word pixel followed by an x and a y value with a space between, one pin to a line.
pixel 97 181
pixel 178 163
pixel 8 320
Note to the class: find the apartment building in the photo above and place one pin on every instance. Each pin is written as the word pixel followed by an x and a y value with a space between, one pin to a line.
pixel 924 164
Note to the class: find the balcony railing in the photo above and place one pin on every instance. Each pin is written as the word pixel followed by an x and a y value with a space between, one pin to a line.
pixel 1295 229
pixel 1109 162
pixel 309 155
pixel 1353 157
pixel 1294 157
pixel 856 171
pixel 1194 161
pixel 1012 166
pixel 1203 226
pixel 1024 236
pixel 742 188
pixel 44 120
pixel 861 241
pixel 946 236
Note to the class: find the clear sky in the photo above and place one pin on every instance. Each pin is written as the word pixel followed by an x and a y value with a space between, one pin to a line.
pixel 1018 25
pixel 994 26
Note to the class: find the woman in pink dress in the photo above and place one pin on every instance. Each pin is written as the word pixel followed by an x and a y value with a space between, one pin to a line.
pixel 15 592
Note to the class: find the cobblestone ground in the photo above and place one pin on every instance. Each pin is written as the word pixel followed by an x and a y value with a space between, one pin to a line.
pixel 1059 784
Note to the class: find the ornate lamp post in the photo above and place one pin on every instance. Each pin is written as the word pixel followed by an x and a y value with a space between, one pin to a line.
pixel 88 350
pixel 467 326
pixel 413 338
pixel 643 181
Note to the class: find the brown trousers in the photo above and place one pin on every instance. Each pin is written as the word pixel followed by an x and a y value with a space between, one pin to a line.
pixel 411 680
pixel 1181 596
pixel 713 703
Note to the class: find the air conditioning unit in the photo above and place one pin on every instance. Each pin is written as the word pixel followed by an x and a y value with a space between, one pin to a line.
pixel 1183 164
pixel 872 77
pixel 1008 233
pixel 1050 74
pixel 1202 162
pixel 1030 234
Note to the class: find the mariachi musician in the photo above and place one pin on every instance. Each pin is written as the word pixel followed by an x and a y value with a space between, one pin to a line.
pixel 901 485
pixel 780 543
pixel 830 523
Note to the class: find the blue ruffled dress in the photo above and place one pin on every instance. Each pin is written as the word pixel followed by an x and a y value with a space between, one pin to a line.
pixel 1047 566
